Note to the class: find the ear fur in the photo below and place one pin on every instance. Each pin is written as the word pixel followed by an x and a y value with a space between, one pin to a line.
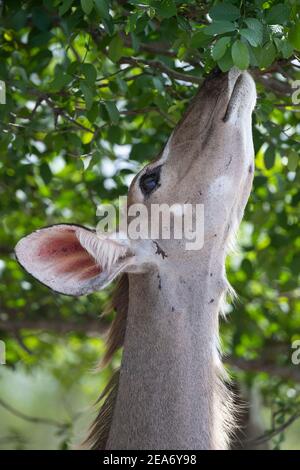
pixel 71 259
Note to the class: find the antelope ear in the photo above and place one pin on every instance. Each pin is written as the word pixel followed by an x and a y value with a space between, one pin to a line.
pixel 73 260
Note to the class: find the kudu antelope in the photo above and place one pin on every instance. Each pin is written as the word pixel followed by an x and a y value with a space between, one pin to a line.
pixel 170 391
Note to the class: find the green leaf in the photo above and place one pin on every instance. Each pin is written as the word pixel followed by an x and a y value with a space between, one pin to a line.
pixel 88 94
pixel 93 113
pixel 254 23
pixel 225 63
pixel 184 24
pixel 142 23
pixel 199 39
pixel 113 111
pixel 240 55
pixel 247 267
pixel 284 47
pixel 102 7
pixel 294 36
pixel 65 6
pixel 109 25
pixel 278 14
pixel 269 158
pixel 254 37
pixel 37 40
pixel 89 72
pixel 253 56
pixel 131 22
pixel 158 84
pixel 293 159
pixel 19 20
pixel 41 19
pixel 220 48
pixel 115 49
pixel 87 6
pixel 45 173
pixel 135 41
pixel 224 11
pixel 219 27
pixel 122 85
pixel 165 8
pixel 60 81
pixel 267 55
pixel 2 92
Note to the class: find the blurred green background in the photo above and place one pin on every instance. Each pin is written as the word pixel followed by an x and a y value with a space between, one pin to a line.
pixel 93 90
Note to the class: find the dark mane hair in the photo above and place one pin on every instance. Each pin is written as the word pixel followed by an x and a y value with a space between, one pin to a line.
pixel 99 430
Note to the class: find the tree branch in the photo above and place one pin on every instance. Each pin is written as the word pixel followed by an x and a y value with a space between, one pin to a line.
pixel 275 431
pixel 31 419
pixel 271 83
pixel 263 77
pixel 144 111
pixel 157 65
pixel 100 327
pixel 259 365
pixel 156 48
pixel 59 326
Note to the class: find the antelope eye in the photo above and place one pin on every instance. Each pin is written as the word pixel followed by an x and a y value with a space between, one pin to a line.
pixel 150 181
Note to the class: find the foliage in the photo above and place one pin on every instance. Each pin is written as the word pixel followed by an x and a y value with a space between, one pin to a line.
pixel 94 88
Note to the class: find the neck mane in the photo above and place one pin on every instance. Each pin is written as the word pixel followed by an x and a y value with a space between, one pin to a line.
pixel 170 391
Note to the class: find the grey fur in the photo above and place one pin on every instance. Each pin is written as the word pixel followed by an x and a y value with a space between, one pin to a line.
pixel 171 392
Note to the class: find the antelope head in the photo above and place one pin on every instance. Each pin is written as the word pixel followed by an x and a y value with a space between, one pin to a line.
pixel 207 160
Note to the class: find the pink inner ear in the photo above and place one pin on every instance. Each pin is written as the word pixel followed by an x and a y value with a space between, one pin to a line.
pixel 63 251
pixel 59 244
pixel 55 257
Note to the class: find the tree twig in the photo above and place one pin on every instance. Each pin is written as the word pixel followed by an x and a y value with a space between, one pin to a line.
pixel 155 48
pixel 157 65
pixel 59 325
pixel 275 431
pixel 259 365
pixel 31 419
